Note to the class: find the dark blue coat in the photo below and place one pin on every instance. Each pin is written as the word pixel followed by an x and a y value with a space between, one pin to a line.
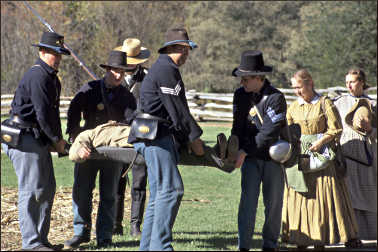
pixel 162 94
pixel 37 100
pixel 88 102
pixel 256 138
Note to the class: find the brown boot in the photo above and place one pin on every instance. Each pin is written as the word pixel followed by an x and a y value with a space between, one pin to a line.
pixel 211 159
pixel 232 148
pixel 221 146
pixel 225 148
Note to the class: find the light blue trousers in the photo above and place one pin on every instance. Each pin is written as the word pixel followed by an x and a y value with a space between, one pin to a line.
pixel 166 191
pixel 36 189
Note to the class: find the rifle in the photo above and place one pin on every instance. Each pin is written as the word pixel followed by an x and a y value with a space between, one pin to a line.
pixel 81 63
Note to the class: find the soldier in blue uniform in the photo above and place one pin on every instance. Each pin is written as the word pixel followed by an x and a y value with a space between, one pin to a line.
pixel 99 101
pixel 35 109
pixel 162 95
pixel 136 56
pixel 255 138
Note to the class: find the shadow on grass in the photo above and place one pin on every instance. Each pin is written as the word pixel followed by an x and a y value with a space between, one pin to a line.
pixel 218 240
pixel 134 243
pixel 120 244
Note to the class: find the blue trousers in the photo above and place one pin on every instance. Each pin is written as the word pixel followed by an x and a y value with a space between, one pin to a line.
pixel 82 194
pixel 36 189
pixel 166 191
pixel 270 174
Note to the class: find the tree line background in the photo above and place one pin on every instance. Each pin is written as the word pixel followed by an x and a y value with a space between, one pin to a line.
pixel 326 37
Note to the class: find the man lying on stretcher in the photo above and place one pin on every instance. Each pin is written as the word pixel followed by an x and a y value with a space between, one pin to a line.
pixel 109 141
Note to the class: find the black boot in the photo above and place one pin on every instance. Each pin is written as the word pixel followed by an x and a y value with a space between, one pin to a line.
pixel 137 209
pixel 135 230
pixel 76 241
pixel 120 203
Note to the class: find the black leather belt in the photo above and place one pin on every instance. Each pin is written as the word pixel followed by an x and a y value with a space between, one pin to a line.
pixel 151 117
pixel 21 123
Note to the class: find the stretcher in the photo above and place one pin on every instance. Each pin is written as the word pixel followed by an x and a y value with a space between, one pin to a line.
pixel 130 156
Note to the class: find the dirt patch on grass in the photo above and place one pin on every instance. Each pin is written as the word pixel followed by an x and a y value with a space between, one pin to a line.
pixel 61 225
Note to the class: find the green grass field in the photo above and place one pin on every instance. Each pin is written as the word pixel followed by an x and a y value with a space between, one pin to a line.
pixel 207 219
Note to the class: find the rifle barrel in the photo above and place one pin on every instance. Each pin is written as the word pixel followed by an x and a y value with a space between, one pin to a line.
pixel 81 63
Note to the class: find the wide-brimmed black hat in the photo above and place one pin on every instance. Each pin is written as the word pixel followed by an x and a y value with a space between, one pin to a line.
pixel 252 63
pixel 54 41
pixel 117 59
pixel 177 36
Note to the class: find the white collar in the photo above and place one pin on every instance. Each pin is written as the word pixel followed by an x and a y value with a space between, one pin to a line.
pixel 313 101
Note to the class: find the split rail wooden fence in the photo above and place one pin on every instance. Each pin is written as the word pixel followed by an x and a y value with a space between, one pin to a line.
pixel 203 106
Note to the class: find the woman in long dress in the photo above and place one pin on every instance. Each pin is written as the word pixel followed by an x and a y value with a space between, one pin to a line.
pixel 360 149
pixel 317 208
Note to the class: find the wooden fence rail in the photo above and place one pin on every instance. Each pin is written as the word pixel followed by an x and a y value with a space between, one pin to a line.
pixel 203 106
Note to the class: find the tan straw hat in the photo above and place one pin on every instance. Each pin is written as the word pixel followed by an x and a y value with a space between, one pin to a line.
pixel 136 54
pixel 361 109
